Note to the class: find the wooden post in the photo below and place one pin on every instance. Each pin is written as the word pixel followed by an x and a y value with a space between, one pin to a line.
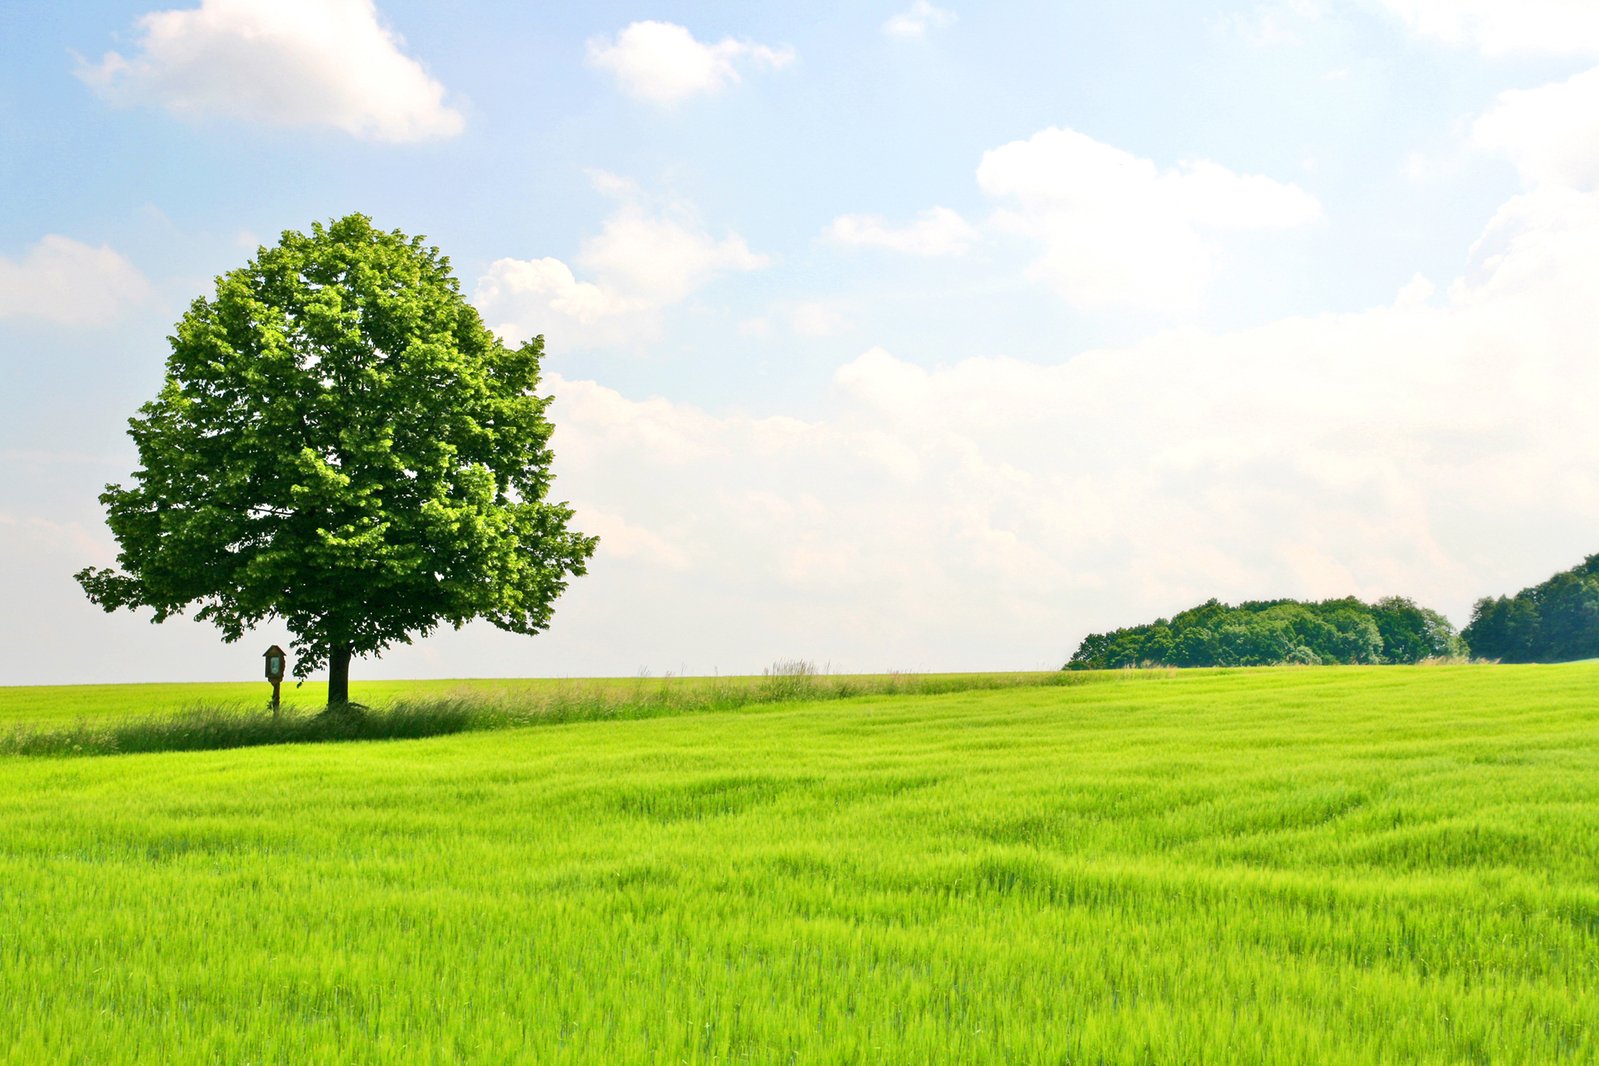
pixel 276 662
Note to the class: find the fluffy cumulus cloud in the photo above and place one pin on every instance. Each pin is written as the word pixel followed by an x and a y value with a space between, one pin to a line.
pixel 644 259
pixel 661 62
pixel 66 281
pixel 282 63
pixel 938 231
pixel 990 512
pixel 1551 133
pixel 916 20
pixel 1506 27
pixel 661 257
pixel 1116 230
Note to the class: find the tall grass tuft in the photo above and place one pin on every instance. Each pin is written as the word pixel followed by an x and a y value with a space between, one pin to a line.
pixel 788 679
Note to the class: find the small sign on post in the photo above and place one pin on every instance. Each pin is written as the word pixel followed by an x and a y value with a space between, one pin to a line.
pixel 275 662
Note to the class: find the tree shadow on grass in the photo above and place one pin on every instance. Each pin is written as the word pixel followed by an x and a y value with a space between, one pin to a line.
pixel 216 728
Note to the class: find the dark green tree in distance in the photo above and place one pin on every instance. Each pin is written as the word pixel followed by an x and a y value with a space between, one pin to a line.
pixel 342 445
pixel 1273 632
pixel 1410 633
pixel 1556 621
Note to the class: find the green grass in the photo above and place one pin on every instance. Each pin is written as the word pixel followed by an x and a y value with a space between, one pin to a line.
pixel 41 704
pixel 106 720
pixel 35 705
pixel 1295 866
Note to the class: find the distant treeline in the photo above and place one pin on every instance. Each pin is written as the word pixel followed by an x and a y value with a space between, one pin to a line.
pixel 1270 632
pixel 1554 622
pixel 1557 621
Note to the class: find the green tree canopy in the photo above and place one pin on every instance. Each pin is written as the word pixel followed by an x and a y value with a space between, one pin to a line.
pixel 1269 632
pixel 341 444
pixel 1555 621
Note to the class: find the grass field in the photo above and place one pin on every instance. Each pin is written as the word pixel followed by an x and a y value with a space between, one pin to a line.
pixel 110 719
pixel 1336 865
pixel 40 705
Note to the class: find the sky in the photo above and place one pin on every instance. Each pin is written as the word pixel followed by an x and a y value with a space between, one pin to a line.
pixel 891 336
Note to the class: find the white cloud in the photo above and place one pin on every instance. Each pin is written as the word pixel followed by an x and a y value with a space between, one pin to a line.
pixel 282 63
pixel 938 231
pixel 1551 133
pixel 1118 231
pixel 988 513
pixel 1415 292
pixel 662 258
pixel 662 62
pixel 526 292
pixel 643 260
pixel 817 320
pixel 621 539
pixel 66 281
pixel 1506 27
pixel 1529 232
pixel 916 20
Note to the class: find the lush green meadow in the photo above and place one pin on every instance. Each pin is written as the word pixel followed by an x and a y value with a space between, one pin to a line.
pixel 1325 865
pixel 41 704
pixel 111 719
pixel 45 705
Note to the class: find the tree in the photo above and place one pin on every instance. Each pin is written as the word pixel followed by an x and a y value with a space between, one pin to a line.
pixel 1568 616
pixel 1411 633
pixel 341 444
pixel 1266 632
pixel 1504 628
pixel 1555 621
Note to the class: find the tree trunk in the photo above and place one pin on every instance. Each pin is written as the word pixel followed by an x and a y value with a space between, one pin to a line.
pixel 339 676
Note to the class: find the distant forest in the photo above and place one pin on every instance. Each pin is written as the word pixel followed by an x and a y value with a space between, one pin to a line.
pixel 1270 632
pixel 1556 621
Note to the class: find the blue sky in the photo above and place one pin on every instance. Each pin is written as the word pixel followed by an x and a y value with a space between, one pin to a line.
pixel 893 336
